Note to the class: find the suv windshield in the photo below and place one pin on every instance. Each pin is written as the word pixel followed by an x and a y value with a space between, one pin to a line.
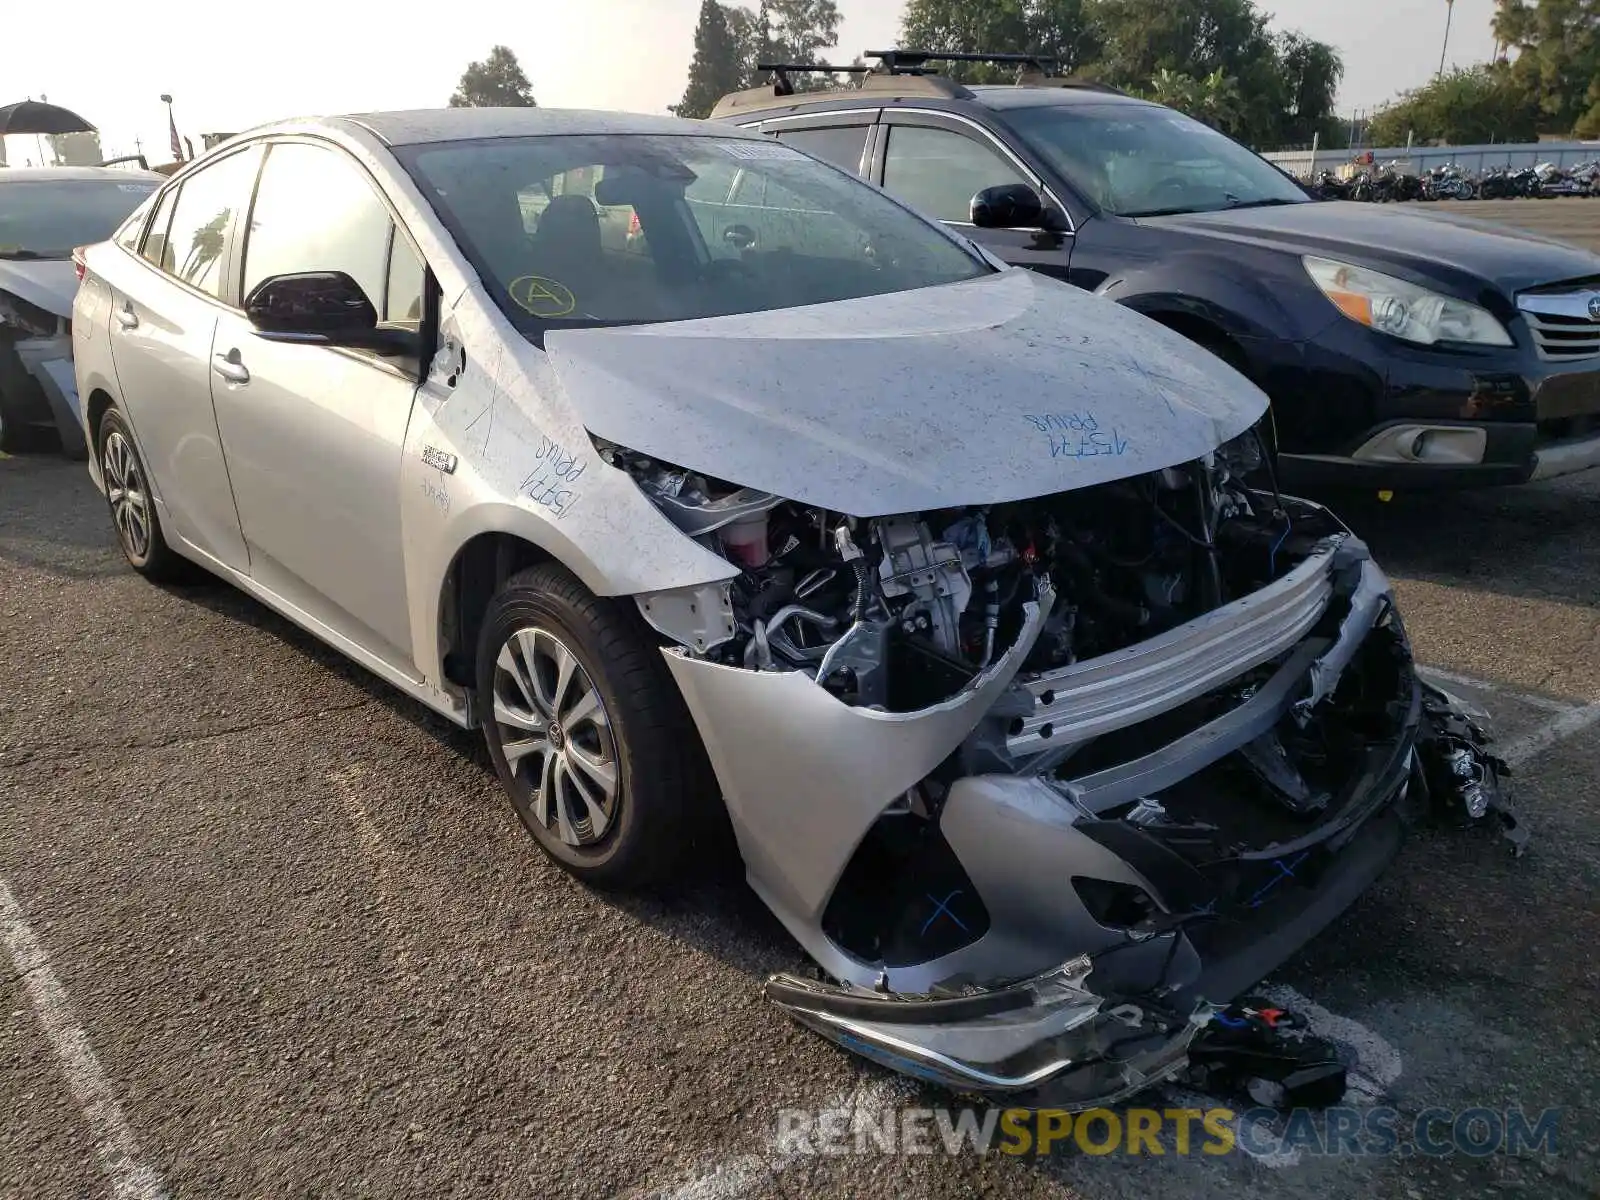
pixel 1140 160
pixel 624 229
pixel 47 218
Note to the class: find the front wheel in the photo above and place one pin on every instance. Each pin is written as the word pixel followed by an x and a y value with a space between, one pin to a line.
pixel 588 732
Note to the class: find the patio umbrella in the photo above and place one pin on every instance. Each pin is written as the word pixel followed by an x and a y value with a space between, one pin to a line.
pixel 33 116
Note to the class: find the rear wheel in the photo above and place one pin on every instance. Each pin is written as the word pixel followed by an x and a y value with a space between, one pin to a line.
pixel 588 733
pixel 133 510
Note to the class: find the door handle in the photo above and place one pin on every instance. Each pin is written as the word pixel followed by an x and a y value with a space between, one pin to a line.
pixel 127 318
pixel 230 368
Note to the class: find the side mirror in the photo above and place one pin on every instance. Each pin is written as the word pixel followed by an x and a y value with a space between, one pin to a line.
pixel 320 308
pixel 1009 206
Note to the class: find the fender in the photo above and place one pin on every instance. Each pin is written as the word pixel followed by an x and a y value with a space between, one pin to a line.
pixel 1205 286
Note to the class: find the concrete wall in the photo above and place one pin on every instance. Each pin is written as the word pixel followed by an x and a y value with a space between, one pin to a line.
pixel 1424 158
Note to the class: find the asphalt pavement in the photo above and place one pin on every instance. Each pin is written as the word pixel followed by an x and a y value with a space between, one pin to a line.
pixel 273 931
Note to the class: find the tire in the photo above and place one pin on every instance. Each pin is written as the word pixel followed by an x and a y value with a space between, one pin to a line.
pixel 621 717
pixel 133 512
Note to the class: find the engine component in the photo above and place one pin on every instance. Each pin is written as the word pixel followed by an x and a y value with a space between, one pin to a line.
pixel 932 572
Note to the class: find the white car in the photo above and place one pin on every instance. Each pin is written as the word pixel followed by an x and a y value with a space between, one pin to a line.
pixel 46 213
pixel 948 587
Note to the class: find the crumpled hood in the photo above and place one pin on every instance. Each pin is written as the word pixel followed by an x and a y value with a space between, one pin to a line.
pixel 50 283
pixel 997 389
pixel 1432 243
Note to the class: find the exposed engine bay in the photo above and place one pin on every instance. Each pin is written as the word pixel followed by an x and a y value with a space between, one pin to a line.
pixel 1173 729
pixel 896 612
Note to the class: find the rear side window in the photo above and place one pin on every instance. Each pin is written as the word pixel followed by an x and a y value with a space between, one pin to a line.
pixel 155 242
pixel 940 171
pixel 202 220
pixel 315 211
pixel 841 145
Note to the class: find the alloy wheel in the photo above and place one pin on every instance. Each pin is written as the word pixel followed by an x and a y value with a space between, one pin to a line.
pixel 556 736
pixel 127 494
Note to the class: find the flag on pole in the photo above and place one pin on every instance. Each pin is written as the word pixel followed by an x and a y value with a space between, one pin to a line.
pixel 177 146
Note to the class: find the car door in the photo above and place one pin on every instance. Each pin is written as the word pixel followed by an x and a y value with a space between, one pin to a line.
pixel 314 434
pixel 936 162
pixel 164 311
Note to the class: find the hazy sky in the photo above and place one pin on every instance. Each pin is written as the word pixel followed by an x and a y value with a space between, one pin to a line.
pixel 229 67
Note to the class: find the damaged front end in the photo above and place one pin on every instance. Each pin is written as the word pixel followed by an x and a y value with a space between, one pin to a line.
pixel 37 387
pixel 1041 786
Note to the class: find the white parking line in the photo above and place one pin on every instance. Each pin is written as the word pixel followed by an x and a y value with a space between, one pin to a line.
pixel 1558 728
pixel 1487 685
pixel 736 1176
pixel 114 1144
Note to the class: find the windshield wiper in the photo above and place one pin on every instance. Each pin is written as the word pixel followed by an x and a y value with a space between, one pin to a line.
pixel 24 254
pixel 1270 202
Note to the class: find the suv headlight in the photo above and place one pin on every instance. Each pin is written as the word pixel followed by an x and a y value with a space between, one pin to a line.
pixel 1403 309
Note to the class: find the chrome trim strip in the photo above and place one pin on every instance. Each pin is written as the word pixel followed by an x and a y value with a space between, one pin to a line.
pixel 1555 317
pixel 1566 458
pixel 1155 676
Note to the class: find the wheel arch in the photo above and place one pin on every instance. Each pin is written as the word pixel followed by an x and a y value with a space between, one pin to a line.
pixel 95 409
pixel 477 570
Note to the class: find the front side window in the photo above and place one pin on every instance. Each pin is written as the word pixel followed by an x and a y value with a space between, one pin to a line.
pixel 202 220
pixel 48 219
pixel 839 144
pixel 316 211
pixel 1142 160
pixel 714 226
pixel 939 171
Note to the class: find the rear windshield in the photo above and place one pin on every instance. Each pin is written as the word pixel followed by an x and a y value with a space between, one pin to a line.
pixel 48 219
pixel 627 229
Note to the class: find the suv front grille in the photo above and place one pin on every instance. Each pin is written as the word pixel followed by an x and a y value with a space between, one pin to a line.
pixel 1565 322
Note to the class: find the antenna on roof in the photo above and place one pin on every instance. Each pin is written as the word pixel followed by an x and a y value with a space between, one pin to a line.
pixel 782 85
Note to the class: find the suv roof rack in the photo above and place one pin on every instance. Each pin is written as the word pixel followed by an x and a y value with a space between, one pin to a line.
pixel 898 73
pixel 914 62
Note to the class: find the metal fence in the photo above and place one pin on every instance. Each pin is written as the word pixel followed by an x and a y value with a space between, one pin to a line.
pixel 1418 159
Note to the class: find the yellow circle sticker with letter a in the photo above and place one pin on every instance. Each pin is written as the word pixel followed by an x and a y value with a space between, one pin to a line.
pixel 542 297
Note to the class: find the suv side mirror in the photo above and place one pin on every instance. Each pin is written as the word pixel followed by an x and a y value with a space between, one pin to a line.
pixel 1009 206
pixel 320 308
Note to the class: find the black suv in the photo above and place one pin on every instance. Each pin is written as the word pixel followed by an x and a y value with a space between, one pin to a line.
pixel 1401 347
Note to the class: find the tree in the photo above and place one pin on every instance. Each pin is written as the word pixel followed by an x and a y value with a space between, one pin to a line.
pixel 1465 107
pixel 718 67
pixel 1057 28
pixel 1557 67
pixel 1310 72
pixel 1218 58
pixel 1214 99
pixel 496 82
pixel 793 31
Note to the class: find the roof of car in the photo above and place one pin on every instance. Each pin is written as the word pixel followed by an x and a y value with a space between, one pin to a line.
pixel 416 126
pixel 1037 96
pixel 74 174
pixel 1032 90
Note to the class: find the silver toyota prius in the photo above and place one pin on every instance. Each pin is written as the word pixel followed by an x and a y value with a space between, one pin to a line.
pixel 727 494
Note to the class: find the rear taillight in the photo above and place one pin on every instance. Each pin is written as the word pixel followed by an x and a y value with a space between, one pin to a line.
pixel 78 263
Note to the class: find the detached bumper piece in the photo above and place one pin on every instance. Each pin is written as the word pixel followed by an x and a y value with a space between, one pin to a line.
pixel 1046 1041
pixel 1464 780
pixel 1257 1050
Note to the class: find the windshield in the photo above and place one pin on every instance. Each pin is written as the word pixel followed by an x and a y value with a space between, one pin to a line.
pixel 1141 160
pixel 623 229
pixel 49 218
